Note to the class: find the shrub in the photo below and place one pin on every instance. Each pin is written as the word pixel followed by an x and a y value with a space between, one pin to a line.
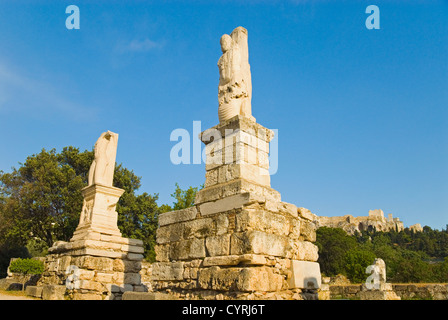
pixel 26 267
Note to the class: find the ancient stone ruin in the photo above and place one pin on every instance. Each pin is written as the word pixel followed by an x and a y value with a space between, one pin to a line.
pixel 416 228
pixel 239 241
pixel 376 287
pixel 97 263
pixel 374 221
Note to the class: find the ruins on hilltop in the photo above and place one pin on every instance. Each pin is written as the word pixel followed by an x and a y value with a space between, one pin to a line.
pixel 374 221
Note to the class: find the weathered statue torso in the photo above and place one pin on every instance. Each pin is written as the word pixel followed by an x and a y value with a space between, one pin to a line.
pixel 103 166
pixel 235 85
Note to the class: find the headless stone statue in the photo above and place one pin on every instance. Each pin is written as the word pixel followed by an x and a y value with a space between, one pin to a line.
pixel 235 84
pixel 103 166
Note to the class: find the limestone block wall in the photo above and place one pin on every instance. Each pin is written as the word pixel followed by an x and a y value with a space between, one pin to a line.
pixel 146 275
pixel 240 239
pixel 97 269
pixel 406 291
pixel 210 252
pixel 430 291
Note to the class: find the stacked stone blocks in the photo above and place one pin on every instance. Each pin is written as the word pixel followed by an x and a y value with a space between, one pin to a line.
pixel 97 263
pixel 239 238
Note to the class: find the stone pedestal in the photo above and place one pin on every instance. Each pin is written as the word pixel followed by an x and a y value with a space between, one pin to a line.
pixel 376 288
pixel 384 292
pixel 239 240
pixel 98 213
pixel 97 263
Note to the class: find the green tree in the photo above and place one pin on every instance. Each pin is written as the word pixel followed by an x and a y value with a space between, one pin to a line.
pixel 355 263
pixel 137 214
pixel 333 244
pixel 184 198
pixel 442 271
pixel 42 200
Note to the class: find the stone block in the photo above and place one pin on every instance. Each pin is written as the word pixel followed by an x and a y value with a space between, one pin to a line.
pixel 259 242
pixel 187 249
pixel 230 260
pixel 132 278
pixel 86 274
pixel 132 266
pixel 147 296
pixel 34 291
pixel 53 292
pixel 211 178
pixel 237 153
pixel 162 252
pixel 294 229
pixel 237 137
pixel 259 279
pixel 262 220
pixel 228 203
pixel 218 245
pixel 263 159
pixel 134 256
pixel 92 285
pixel 306 214
pixel 222 223
pixel 133 249
pixel 177 216
pixel 103 277
pixel 303 250
pixel 234 187
pixel 118 265
pixel 304 275
pixel 93 263
pixel 199 228
pixel 378 295
pixel 169 233
pixel 167 271
pixel 106 253
pixel 239 279
pixel 215 278
pixel 307 230
pixel 118 278
pixel 96 244
pixel 87 296
pixel 288 208
pixel 244 171
pixel 236 124
pixel 233 260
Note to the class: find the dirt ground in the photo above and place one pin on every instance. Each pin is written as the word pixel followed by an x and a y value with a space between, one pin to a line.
pixel 6 296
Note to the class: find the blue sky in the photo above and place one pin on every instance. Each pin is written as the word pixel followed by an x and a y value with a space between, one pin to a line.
pixel 361 114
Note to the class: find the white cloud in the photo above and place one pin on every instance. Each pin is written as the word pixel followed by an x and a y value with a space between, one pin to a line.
pixel 144 45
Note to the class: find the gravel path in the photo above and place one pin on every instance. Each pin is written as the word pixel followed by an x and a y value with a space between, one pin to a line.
pixel 13 297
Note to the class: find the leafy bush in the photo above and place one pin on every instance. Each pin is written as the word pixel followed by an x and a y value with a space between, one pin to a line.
pixel 356 262
pixel 26 266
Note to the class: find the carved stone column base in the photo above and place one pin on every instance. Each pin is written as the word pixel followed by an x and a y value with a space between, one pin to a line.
pixel 98 214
